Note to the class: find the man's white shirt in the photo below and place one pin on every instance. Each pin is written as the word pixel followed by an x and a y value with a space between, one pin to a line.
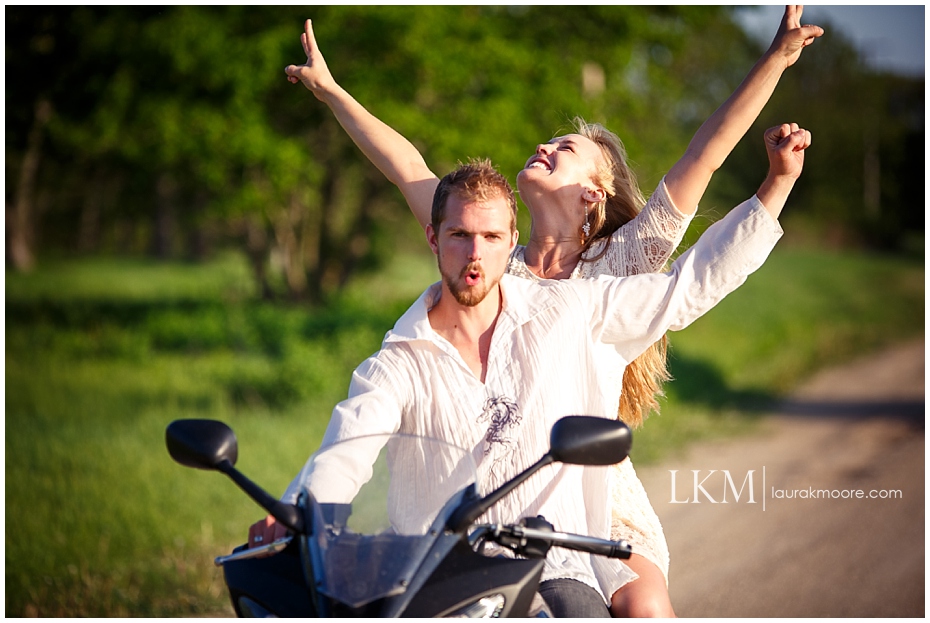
pixel 558 348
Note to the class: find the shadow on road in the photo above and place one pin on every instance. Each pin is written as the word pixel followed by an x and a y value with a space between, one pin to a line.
pixel 697 382
pixel 855 432
pixel 907 410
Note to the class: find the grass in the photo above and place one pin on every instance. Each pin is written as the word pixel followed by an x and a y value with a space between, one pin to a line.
pixel 102 354
pixel 802 311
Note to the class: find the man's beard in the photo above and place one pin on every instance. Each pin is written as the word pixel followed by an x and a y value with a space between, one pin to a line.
pixel 466 295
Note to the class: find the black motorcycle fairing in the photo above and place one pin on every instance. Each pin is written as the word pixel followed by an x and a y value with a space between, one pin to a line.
pixel 443 542
pixel 275 583
pixel 441 574
pixel 357 553
pixel 464 577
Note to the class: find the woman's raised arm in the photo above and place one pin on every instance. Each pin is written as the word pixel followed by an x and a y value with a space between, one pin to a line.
pixel 394 155
pixel 688 178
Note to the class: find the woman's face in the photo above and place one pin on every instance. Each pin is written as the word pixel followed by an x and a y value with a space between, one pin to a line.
pixel 565 165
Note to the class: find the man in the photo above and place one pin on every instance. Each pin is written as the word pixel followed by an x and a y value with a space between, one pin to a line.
pixel 489 362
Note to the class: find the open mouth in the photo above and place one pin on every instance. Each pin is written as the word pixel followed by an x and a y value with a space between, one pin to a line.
pixel 472 275
pixel 538 163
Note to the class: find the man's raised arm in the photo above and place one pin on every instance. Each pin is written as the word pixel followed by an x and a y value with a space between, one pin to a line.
pixel 394 155
pixel 785 145
pixel 630 313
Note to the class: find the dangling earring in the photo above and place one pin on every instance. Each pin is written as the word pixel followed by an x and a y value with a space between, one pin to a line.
pixel 586 228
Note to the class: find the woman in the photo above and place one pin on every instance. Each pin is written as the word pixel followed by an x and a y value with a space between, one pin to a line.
pixel 589 218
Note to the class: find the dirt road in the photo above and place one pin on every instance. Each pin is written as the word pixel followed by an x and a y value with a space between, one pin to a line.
pixel 804 544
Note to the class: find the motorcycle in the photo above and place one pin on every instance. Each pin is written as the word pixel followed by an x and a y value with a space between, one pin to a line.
pixel 372 557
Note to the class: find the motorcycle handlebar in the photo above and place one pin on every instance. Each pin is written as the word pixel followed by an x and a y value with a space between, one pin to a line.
pixel 246 552
pixel 581 543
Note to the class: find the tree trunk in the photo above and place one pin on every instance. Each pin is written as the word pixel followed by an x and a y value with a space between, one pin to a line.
pixel 91 211
pixel 256 247
pixel 89 229
pixel 20 217
pixel 871 176
pixel 319 246
pixel 200 239
pixel 288 224
pixel 163 237
pixel 358 240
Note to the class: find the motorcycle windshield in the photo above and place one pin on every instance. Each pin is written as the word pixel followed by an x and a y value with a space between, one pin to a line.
pixel 378 497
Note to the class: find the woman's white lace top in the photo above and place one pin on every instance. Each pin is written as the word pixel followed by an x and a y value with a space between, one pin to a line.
pixel 643 245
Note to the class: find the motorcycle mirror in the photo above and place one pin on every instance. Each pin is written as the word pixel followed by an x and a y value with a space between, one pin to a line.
pixel 210 444
pixel 589 440
pixel 574 439
pixel 203 444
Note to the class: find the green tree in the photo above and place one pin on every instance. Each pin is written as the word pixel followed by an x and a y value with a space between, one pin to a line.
pixel 174 129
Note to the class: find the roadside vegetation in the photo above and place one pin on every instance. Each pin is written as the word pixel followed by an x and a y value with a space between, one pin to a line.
pixel 102 354
pixel 189 235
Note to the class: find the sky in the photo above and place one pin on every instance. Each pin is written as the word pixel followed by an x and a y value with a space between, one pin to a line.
pixel 888 37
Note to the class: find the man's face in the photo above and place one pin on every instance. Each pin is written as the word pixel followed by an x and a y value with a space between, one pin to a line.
pixel 473 245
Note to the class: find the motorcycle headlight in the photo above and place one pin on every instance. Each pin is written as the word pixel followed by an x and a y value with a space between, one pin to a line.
pixel 488 607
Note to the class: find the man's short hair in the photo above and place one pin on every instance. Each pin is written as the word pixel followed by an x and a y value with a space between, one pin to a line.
pixel 477 180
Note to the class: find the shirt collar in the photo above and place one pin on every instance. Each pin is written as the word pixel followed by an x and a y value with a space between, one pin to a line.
pixel 414 324
pixel 523 299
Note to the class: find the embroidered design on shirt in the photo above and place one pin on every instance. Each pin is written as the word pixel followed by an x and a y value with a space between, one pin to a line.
pixel 503 414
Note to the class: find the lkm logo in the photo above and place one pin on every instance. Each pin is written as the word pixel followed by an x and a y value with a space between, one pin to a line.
pixel 713 486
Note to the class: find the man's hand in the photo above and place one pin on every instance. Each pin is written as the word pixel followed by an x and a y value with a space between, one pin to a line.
pixel 265 531
pixel 791 37
pixel 314 73
pixel 785 145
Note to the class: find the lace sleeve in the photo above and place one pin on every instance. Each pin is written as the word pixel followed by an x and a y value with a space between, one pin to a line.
pixel 643 245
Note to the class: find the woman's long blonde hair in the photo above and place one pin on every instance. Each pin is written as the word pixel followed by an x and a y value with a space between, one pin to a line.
pixel 644 376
